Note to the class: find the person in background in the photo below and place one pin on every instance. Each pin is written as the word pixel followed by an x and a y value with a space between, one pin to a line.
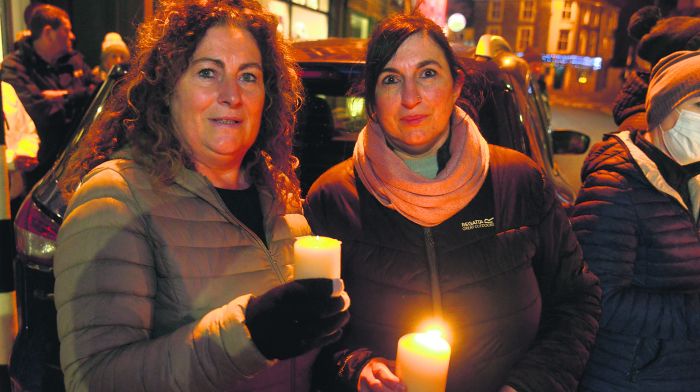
pixel 52 80
pixel 21 140
pixel 114 51
pixel 636 217
pixel 173 265
pixel 436 222
pixel 19 144
pixel 657 37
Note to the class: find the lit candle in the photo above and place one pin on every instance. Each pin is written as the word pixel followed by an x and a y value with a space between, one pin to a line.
pixel 422 360
pixel 316 257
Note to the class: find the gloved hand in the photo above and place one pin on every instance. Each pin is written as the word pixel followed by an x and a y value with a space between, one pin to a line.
pixel 296 317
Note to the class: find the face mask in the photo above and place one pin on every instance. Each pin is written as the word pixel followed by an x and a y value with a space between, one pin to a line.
pixel 683 140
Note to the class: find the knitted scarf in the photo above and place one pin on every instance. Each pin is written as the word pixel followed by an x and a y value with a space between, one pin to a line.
pixel 424 201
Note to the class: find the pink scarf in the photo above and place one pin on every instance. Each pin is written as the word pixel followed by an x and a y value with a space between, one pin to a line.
pixel 425 201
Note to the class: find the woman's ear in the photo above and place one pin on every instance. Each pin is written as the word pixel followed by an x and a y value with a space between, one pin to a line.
pixel 458 84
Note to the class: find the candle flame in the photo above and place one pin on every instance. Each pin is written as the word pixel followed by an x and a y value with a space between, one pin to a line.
pixel 436 328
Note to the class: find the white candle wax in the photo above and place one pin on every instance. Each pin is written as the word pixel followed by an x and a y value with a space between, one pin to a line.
pixel 316 257
pixel 422 360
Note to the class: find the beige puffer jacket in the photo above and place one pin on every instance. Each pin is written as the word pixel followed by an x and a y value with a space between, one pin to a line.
pixel 152 282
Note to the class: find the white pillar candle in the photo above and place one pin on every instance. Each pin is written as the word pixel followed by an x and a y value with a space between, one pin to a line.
pixel 316 257
pixel 422 360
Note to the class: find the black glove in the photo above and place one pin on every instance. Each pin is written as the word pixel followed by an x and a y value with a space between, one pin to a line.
pixel 295 317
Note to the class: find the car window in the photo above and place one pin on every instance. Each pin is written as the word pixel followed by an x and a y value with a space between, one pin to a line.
pixel 327 129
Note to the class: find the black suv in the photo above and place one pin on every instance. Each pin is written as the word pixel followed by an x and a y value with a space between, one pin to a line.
pixel 516 115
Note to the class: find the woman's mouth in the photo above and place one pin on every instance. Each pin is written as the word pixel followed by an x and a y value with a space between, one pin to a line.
pixel 414 119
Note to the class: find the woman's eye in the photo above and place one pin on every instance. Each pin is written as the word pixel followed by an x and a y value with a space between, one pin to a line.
pixel 428 73
pixel 390 79
pixel 206 73
pixel 249 77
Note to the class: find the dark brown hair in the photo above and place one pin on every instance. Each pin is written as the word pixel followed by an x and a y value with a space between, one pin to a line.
pixel 386 39
pixel 45 14
pixel 138 113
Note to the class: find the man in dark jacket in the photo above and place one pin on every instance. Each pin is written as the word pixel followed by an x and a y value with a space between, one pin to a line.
pixel 52 81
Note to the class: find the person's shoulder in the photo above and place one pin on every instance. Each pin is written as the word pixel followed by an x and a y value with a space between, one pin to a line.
pixel 609 154
pixel 339 179
pixel 511 163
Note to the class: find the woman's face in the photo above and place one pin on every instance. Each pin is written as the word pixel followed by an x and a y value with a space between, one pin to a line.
pixel 415 95
pixel 217 103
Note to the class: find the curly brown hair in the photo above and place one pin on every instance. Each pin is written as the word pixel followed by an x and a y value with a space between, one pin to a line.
pixel 137 114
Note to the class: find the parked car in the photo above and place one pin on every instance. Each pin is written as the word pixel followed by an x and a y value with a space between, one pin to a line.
pixel 515 115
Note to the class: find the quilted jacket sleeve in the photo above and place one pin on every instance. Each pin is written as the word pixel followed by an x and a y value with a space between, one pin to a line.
pixel 105 289
pixel 606 224
pixel 570 307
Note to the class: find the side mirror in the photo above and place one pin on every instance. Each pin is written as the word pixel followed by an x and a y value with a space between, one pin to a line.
pixel 570 142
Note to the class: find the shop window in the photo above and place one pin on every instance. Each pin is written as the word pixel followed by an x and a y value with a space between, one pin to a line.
pixel 359 25
pixel 308 24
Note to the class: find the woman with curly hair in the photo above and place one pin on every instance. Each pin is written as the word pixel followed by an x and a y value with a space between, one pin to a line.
pixel 173 264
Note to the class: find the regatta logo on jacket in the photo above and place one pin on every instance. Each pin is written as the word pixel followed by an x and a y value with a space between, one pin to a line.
pixel 478 224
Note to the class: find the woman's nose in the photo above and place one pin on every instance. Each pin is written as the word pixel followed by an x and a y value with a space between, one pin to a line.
pixel 410 96
pixel 230 93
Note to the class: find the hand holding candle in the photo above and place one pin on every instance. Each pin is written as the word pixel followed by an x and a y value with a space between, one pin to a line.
pixel 422 360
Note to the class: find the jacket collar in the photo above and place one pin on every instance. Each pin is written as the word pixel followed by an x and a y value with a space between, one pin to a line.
pixel 649 168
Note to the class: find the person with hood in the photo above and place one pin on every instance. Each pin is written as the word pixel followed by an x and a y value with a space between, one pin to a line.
pixel 636 218
pixel 114 51
pixel 657 37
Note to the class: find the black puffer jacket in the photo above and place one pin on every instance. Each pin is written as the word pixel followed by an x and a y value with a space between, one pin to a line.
pixel 506 271
pixel 645 247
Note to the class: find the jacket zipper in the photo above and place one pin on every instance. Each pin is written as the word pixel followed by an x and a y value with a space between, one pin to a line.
pixel 275 267
pixel 258 240
pixel 432 268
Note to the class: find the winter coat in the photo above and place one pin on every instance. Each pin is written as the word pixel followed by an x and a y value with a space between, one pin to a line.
pixel 506 272
pixel 639 237
pixel 152 283
pixel 55 120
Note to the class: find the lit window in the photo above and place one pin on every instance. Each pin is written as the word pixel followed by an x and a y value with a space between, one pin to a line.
pixel 527 10
pixel 495 11
pixel 563 42
pixel 566 11
pixel 524 39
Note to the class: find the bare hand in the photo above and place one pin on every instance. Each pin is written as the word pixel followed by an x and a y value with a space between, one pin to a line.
pixel 377 376
pixel 54 95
